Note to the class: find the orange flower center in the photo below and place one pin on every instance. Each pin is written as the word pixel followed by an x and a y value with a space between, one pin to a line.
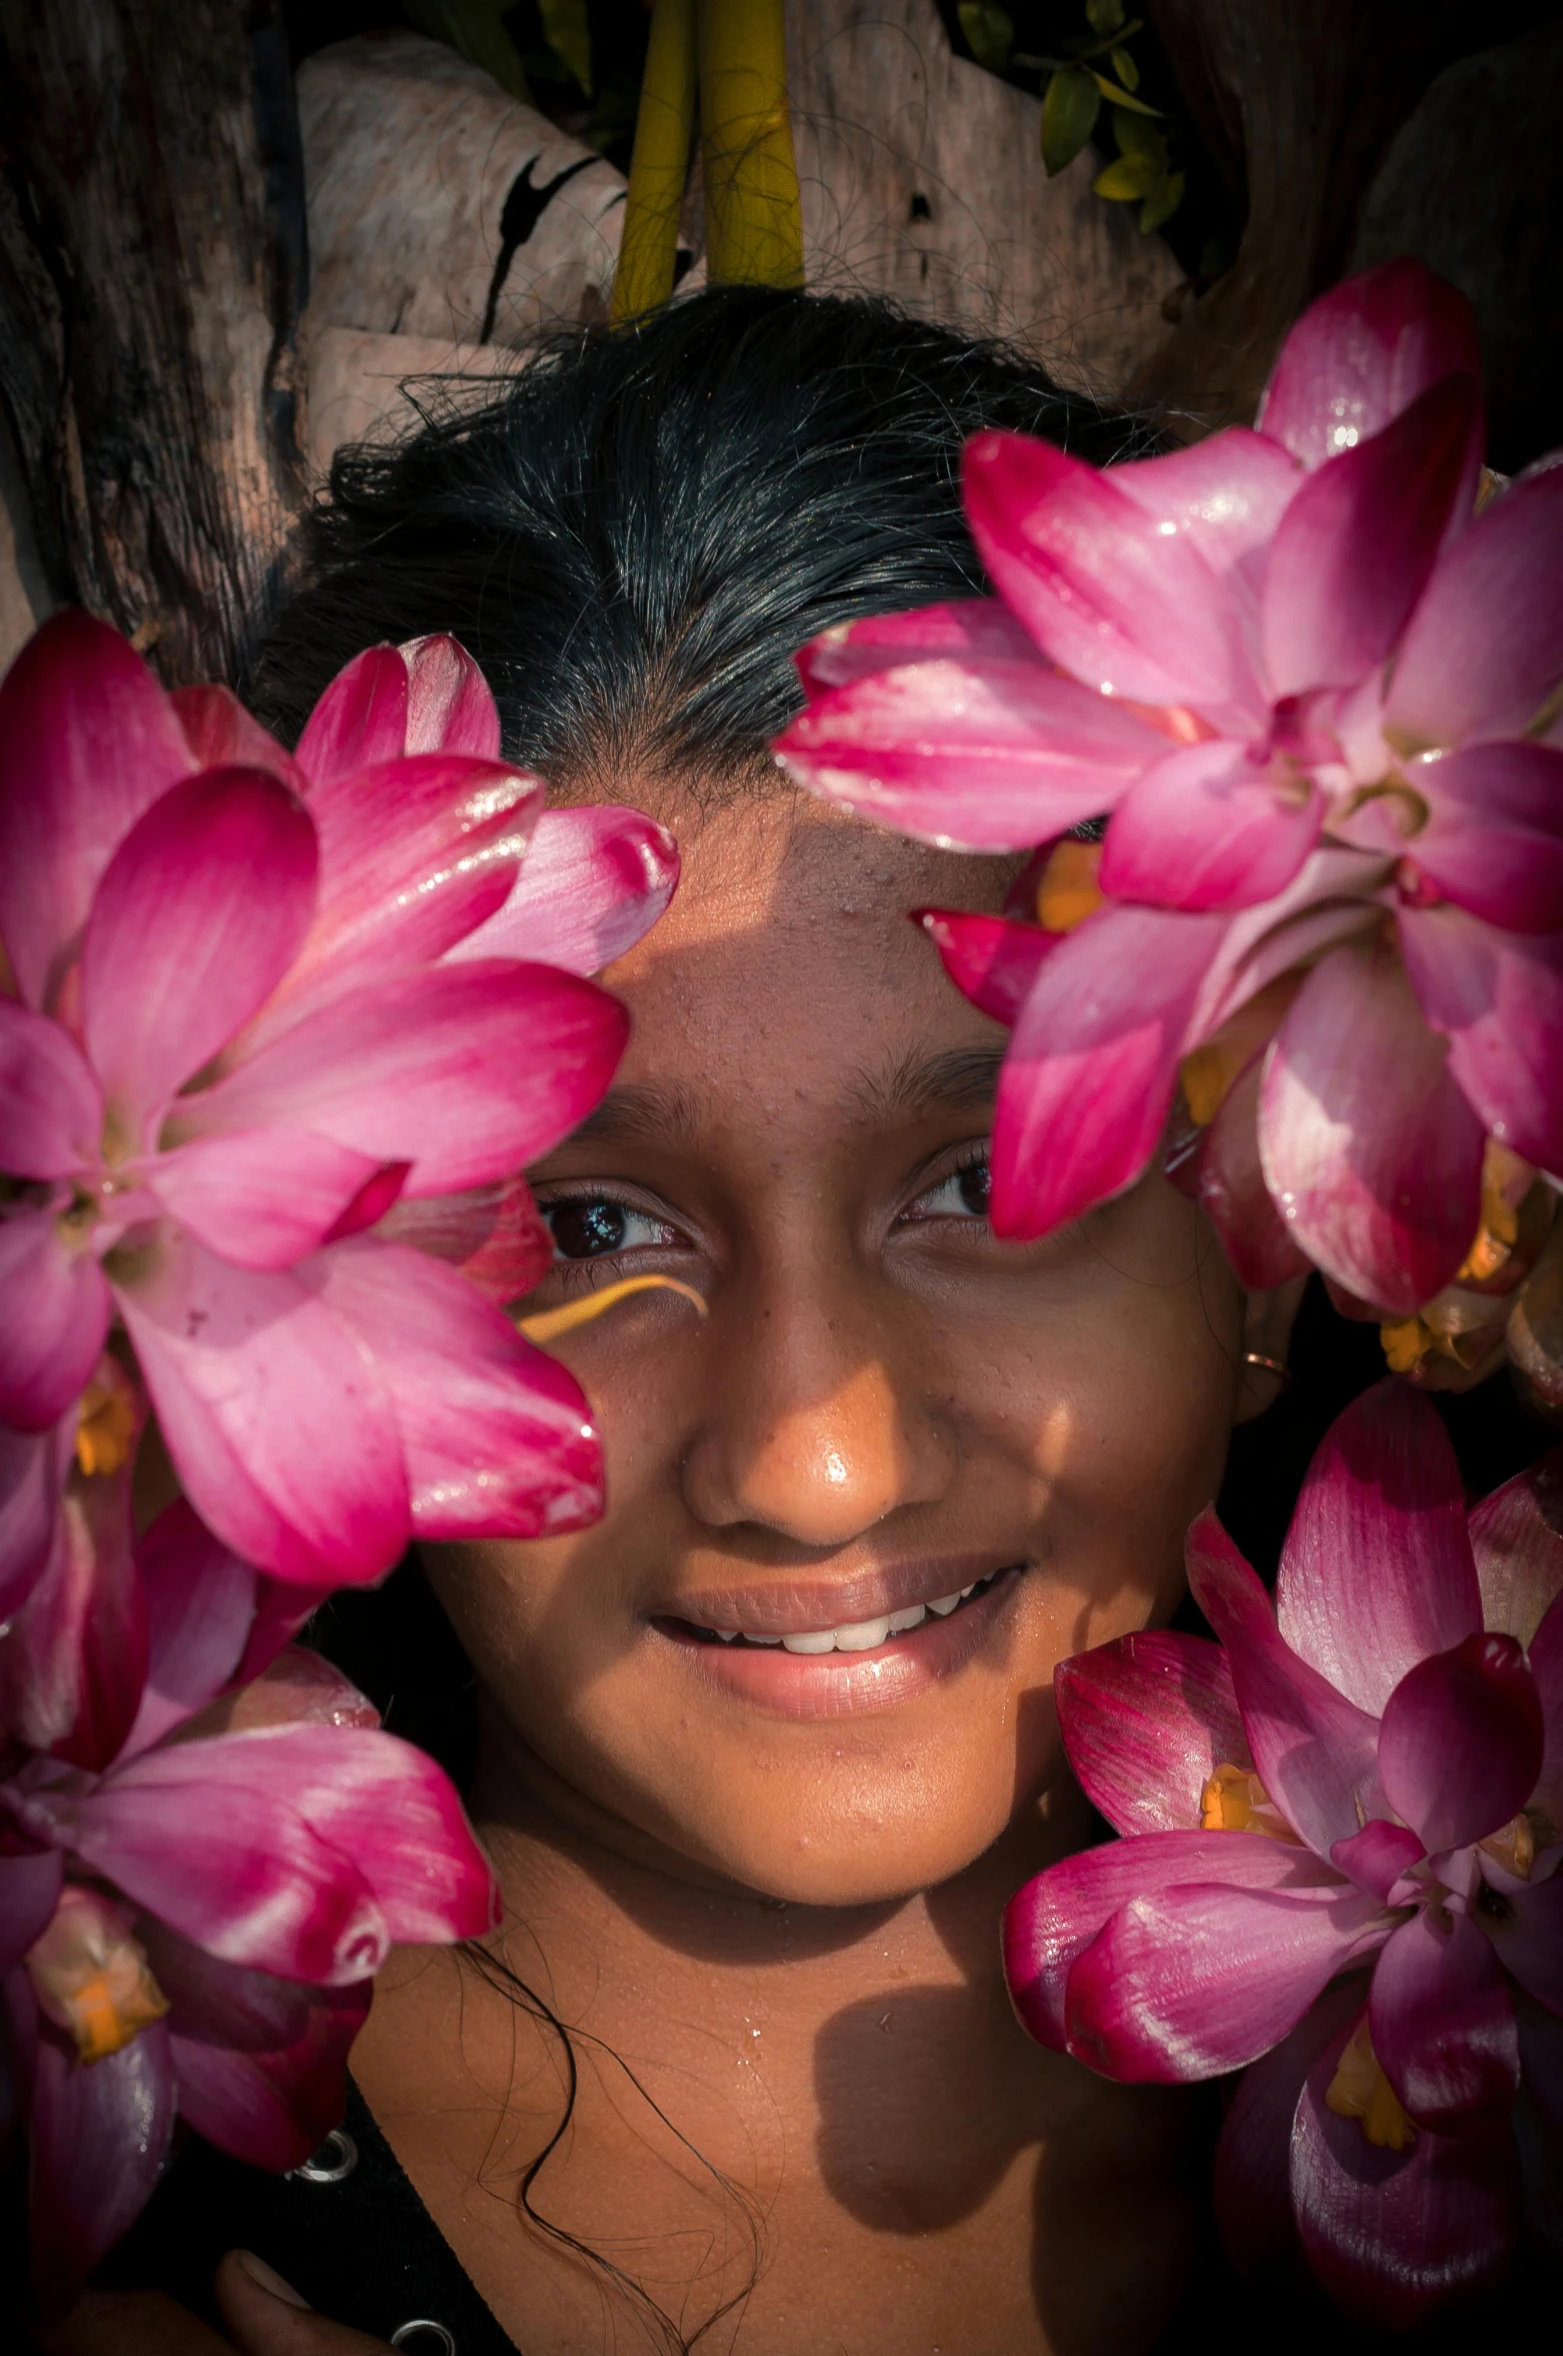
pixel 105 1427
pixel 1234 1800
pixel 91 1977
pixel 1069 892
pixel 1360 2090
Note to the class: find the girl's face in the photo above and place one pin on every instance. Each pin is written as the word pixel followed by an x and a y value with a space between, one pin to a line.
pixel 856 1514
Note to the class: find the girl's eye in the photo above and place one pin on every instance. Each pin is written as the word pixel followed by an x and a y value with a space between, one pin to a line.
pixel 963 1195
pixel 593 1226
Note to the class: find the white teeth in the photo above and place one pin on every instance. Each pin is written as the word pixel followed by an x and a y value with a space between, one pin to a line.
pixel 862 1635
pixel 765 1640
pixel 817 1640
pixel 971 1590
pixel 728 1635
pixel 944 1605
pixel 912 1617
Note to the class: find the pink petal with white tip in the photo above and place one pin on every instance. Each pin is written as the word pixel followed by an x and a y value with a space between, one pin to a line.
pixel 1123 605
pixel 198 916
pixel 360 719
pixel 280 1429
pixel 1362 354
pixel 980 626
pixel 87 741
pixel 1357 545
pixel 1484 649
pixel 450 708
pixel 1377 1570
pixel 1192 1981
pixel 466 1072
pixel 1316 1752
pixel 1498 999
pixel 992 960
pixel 1208 827
pixel 50 1103
pixel 976 755
pixel 98 2137
pixel 263 1198
pixel 594 880
pixel 56 1314
pixel 1050 1922
pixel 1146 1722
pixel 1089 1078
pixel 497 1436
pixel 1370 1150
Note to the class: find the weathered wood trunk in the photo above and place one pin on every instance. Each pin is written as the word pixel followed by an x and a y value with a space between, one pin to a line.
pixel 152 266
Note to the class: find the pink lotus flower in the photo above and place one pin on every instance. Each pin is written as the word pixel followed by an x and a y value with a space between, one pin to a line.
pixel 1308 686
pixel 194 1928
pixel 270 1034
pixel 1344 1828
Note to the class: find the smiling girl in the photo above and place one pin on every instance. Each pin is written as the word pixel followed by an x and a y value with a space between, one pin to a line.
pixel 761 1755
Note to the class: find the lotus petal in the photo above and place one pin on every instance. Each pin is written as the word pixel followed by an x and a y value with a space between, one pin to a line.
pixel 1362 354
pixel 980 626
pixel 1209 827
pixel 1189 1982
pixel 1054 1918
pixel 261 2062
pixel 51 1104
pixel 1370 1150
pixel 1230 1185
pixel 1517 1539
pixel 493 1234
pixel 200 1601
pixel 1525 1925
pixel 1546 1666
pixel 264 1198
pixel 450 708
pixel 56 1315
pixel 1379 1857
pixel 1494 842
pixel 1226 495
pixel 1090 1075
pixel 361 718
pixel 221 734
pixel 1146 1722
pixel 594 880
pixel 1315 1751
pixel 497 1436
pixel 1498 998
pixel 1253 2193
pixel 29 1892
pixel 98 2137
pixel 1461 1743
pixel 1124 606
pixel 1441 2021
pixel 33 1466
pixel 466 1072
pixel 1357 545
pixel 74 1662
pixel 281 1430
pixel 992 960
pixel 1393 2236
pixel 88 740
pixel 1377 1570
pixel 1484 649
pixel 977 755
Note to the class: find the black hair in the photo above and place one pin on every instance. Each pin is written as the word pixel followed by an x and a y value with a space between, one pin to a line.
pixel 634 532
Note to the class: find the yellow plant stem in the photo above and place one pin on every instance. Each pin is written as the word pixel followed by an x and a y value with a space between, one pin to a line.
pixel 549 1324
pixel 659 164
pixel 754 224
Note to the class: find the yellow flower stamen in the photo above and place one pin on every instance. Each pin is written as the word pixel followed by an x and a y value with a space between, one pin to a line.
pixel 1209 1070
pixel 1360 2090
pixel 1513 1846
pixel 1069 892
pixel 91 1977
pixel 1407 1341
pixel 1234 1800
pixel 549 1324
pixel 105 1427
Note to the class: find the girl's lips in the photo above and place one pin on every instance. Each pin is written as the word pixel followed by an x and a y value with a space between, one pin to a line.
pixel 843 1684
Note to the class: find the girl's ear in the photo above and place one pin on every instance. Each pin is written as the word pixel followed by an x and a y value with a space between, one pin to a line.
pixel 1267 1338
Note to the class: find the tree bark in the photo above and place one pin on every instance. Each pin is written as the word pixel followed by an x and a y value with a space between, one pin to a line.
pixel 152 266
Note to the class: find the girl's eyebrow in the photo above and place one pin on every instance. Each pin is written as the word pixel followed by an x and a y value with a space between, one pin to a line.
pixel 925 1084
pixel 666 1110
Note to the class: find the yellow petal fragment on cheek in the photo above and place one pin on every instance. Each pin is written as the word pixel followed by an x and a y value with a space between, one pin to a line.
pixel 549 1324
pixel 105 1427
pixel 91 1977
pixel 1234 1800
pixel 1069 892
pixel 1360 2090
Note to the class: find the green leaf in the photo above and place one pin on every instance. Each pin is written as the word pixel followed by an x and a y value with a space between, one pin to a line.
pixel 1125 68
pixel 1104 16
pixel 1069 111
pixel 990 33
pixel 1162 202
pixel 1137 136
pixel 568 34
pixel 1129 176
pixel 475 29
pixel 1120 97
